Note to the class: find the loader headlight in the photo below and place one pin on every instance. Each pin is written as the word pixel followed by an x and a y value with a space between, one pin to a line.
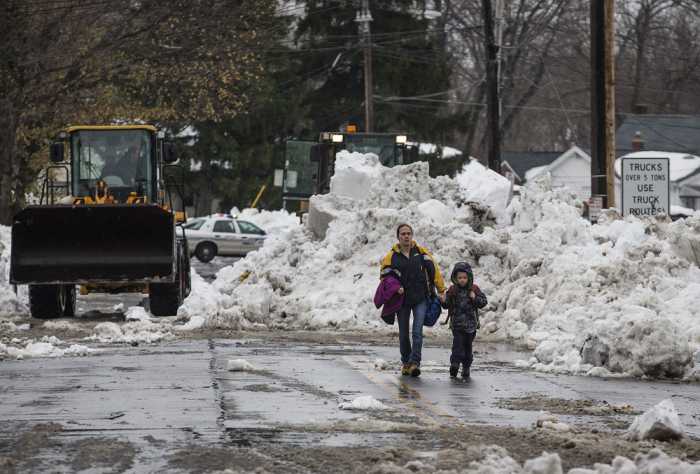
pixel 337 138
pixel 401 139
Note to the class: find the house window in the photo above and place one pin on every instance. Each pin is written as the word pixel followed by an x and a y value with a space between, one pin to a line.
pixel 690 202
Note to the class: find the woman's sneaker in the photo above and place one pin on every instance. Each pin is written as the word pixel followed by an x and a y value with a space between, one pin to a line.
pixel 453 371
pixel 414 370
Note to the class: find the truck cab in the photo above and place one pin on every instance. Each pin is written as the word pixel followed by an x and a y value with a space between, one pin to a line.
pixel 309 166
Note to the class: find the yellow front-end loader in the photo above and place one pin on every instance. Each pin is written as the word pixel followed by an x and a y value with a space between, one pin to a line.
pixel 115 229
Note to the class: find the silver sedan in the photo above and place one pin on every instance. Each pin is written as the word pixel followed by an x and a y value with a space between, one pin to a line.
pixel 208 237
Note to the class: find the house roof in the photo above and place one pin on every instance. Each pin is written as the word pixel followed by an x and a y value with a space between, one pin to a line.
pixel 681 165
pixel 521 161
pixel 679 134
pixel 574 151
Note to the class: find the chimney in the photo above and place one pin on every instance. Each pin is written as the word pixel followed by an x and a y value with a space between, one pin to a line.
pixel 637 142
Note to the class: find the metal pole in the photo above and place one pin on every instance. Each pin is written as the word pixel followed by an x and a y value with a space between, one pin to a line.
pixel 493 119
pixel 602 102
pixel 363 18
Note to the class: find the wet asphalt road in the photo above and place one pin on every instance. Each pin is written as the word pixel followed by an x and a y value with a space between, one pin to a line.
pixel 158 399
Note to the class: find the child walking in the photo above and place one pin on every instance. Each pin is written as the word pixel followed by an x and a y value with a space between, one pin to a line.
pixel 463 301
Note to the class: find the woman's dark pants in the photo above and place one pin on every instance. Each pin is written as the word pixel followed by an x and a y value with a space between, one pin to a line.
pixel 412 354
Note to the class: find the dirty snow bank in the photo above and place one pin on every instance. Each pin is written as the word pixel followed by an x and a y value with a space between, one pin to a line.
pixel 617 297
pixel 10 305
pixel 659 422
pixel 495 459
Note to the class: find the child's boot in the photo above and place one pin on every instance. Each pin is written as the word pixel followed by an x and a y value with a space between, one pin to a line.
pixel 453 371
pixel 405 369
pixel 465 372
pixel 414 370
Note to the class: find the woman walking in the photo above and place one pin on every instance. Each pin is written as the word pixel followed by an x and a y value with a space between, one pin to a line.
pixel 417 269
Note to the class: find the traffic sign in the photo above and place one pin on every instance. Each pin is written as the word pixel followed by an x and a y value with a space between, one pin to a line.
pixel 646 189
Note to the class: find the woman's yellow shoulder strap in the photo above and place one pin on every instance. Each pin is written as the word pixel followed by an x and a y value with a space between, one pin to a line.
pixel 386 260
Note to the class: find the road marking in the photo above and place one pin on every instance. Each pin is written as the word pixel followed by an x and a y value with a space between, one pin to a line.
pixel 407 396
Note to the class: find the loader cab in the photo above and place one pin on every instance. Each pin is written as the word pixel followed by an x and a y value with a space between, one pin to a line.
pixel 392 149
pixel 121 158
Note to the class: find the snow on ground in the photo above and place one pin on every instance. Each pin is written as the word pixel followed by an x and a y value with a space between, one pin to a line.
pixel 365 402
pixel 10 304
pixel 272 222
pixel 659 422
pixel 137 313
pixel 381 364
pixel 614 298
pixel 135 332
pixel 47 346
pixel 239 365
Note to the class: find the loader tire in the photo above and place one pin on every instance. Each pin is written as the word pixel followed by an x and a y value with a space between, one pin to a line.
pixel 164 298
pixel 205 252
pixel 69 310
pixel 48 301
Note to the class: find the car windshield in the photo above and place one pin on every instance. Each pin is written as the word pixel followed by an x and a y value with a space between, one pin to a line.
pixel 195 224
pixel 121 158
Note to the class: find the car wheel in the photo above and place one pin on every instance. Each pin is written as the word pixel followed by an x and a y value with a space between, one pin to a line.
pixel 205 252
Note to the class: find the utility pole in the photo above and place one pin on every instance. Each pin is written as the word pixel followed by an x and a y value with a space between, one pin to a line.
pixel 603 102
pixel 492 111
pixel 363 19
pixel 499 53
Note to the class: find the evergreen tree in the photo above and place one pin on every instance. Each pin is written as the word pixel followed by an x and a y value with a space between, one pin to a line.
pixel 409 59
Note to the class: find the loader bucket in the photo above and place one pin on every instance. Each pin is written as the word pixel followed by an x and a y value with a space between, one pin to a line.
pixel 92 244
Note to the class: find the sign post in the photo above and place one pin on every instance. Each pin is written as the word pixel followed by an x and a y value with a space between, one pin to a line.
pixel 646 190
pixel 595 207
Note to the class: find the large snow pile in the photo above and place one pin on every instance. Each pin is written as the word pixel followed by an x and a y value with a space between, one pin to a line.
pixel 10 305
pixel 616 297
pixel 485 186
pixel 272 222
